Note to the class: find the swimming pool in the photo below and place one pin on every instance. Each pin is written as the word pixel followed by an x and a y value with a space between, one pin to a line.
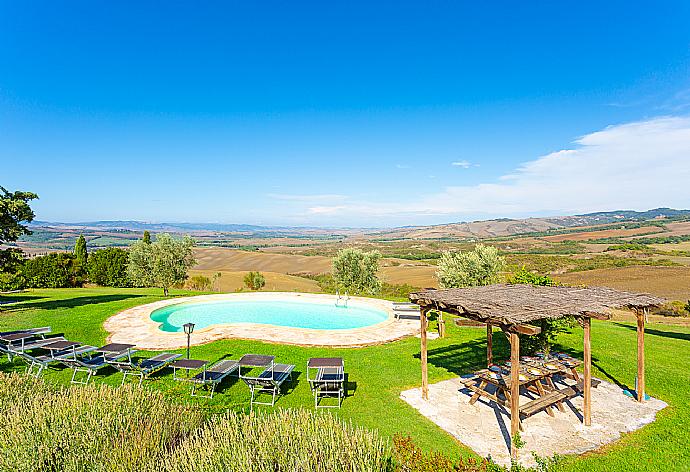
pixel 316 315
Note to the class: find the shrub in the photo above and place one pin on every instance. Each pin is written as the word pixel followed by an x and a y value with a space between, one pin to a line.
pixel 355 270
pixel 254 280
pixel 56 270
pixel 200 283
pixel 108 267
pixel 284 440
pixel 410 458
pixel 470 268
pixel 89 428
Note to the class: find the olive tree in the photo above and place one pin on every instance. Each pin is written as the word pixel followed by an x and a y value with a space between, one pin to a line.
pixel 162 263
pixel 254 280
pixel 469 268
pixel 355 270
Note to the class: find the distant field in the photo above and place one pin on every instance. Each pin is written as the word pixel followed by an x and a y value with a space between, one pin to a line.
pixel 668 282
pixel 418 276
pixel 275 282
pixel 610 233
pixel 216 259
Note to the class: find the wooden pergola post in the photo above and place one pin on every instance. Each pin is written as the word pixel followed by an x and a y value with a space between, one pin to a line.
pixel 514 390
pixel 587 387
pixel 489 344
pixel 640 354
pixel 425 374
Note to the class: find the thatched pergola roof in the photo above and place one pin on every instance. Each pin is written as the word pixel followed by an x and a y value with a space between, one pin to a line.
pixel 503 304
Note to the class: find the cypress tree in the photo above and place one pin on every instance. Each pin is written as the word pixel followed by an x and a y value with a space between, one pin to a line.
pixel 147 237
pixel 80 252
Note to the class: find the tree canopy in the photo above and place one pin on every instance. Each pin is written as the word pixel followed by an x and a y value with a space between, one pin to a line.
pixel 15 210
pixel 163 263
pixel 355 271
pixel 470 268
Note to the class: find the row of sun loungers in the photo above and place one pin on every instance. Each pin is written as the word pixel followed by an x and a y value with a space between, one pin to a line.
pixel 263 376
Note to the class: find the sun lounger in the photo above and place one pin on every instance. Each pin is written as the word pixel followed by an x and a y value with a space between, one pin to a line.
pixel 268 381
pixel 58 350
pixel 18 347
pixel 37 331
pixel 107 355
pixel 146 367
pixel 11 340
pixel 213 376
pixel 328 379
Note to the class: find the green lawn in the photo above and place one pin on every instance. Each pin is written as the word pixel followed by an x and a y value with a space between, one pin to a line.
pixel 377 374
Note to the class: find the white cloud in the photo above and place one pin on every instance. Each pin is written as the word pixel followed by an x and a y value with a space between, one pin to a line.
pixel 463 164
pixel 402 166
pixel 638 165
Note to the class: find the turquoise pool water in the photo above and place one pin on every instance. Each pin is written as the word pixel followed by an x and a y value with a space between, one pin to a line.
pixel 296 314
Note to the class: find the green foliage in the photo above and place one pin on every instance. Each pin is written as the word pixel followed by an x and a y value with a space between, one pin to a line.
pixel 11 262
pixel 285 440
pixel 14 210
pixel 470 268
pixel 199 283
pixel 254 280
pixel 11 281
pixel 524 276
pixel 163 263
pixel 147 237
pixel 80 252
pixel 55 270
pixel 355 271
pixel 89 428
pixel 108 267
pixel 550 328
pixel 410 458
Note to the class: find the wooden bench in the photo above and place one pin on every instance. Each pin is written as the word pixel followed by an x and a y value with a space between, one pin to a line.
pixel 545 401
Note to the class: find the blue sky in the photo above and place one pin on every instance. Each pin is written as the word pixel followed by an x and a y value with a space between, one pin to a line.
pixel 350 114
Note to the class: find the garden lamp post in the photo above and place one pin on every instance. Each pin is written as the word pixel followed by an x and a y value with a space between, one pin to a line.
pixel 188 330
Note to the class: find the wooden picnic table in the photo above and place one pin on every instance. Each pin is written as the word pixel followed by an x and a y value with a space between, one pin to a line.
pixel 535 376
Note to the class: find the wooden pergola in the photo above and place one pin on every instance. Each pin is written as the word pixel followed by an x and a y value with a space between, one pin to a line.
pixel 513 307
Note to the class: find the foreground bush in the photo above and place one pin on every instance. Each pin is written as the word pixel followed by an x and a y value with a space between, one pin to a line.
pixel 86 429
pixel 288 440
pixel 101 428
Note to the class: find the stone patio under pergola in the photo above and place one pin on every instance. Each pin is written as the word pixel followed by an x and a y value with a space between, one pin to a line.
pixel 512 308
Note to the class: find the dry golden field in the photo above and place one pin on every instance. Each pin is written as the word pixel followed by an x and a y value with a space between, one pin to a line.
pixel 672 283
pixel 231 281
pixel 216 259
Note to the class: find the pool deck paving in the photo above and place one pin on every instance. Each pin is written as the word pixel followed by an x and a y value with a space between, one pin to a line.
pixel 485 426
pixel 135 325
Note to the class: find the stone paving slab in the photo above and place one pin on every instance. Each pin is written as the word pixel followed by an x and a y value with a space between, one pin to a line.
pixel 485 426
pixel 135 325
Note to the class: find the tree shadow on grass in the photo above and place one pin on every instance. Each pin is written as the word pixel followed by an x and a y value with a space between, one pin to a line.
pixel 657 332
pixel 74 302
pixel 458 358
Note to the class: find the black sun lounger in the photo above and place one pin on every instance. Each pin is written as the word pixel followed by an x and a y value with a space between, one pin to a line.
pixel 58 350
pixel 146 367
pixel 328 379
pixel 213 376
pixel 268 381
pixel 108 354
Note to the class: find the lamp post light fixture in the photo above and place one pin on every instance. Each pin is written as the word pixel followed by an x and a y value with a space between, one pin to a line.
pixel 188 330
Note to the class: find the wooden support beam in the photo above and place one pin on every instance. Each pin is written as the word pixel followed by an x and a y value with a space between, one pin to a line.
pixel 425 373
pixel 514 390
pixel 587 390
pixel 640 355
pixel 524 329
pixel 489 345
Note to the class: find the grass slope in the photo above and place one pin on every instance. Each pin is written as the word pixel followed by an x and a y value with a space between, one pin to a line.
pixel 377 374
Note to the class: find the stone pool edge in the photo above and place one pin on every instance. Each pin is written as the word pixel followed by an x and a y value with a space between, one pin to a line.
pixel 135 325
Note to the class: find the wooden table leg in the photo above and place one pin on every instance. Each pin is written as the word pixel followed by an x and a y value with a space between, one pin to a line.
pixel 559 405
pixel 540 388
pixel 476 396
